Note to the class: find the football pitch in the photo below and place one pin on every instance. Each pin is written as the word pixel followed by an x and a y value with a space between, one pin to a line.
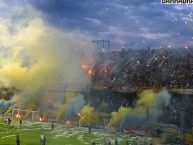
pixel 30 133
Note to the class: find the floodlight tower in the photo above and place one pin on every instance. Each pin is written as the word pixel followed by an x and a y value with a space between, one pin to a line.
pixel 102 46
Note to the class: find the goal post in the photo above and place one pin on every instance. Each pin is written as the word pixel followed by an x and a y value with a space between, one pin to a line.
pixel 26 114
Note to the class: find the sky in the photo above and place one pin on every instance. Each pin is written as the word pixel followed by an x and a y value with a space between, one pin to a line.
pixel 135 24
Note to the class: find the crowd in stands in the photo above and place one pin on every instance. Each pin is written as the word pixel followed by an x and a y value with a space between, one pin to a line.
pixel 123 71
pixel 171 68
pixel 179 112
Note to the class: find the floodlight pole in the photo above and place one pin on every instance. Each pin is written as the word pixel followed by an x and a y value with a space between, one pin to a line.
pixel 103 43
pixel 13 109
pixel 147 113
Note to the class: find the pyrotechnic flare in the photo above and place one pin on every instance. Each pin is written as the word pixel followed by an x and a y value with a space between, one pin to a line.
pixel 68 122
pixel 79 114
pixel 41 119
pixel 17 115
pixel 90 72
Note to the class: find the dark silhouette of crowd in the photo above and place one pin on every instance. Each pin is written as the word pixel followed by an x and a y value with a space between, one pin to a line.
pixel 171 68
pixel 122 73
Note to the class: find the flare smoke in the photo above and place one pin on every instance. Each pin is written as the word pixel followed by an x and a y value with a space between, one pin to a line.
pixel 137 117
pixel 35 55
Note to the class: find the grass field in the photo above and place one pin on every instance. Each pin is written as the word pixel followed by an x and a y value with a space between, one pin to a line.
pixel 61 135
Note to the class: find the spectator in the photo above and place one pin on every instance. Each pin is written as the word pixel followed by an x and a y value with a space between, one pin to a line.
pixel 52 125
pixel 17 139
pixel 93 143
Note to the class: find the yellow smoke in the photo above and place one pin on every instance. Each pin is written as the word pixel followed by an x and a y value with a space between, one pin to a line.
pixel 62 109
pixel 61 112
pixel 88 116
pixel 27 78
pixel 118 116
pixel 36 55
pixel 146 98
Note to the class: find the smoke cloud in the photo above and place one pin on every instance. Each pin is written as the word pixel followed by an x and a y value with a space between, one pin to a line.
pixel 76 104
pixel 35 55
pixel 4 105
pixel 88 116
pixel 72 105
pixel 147 110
